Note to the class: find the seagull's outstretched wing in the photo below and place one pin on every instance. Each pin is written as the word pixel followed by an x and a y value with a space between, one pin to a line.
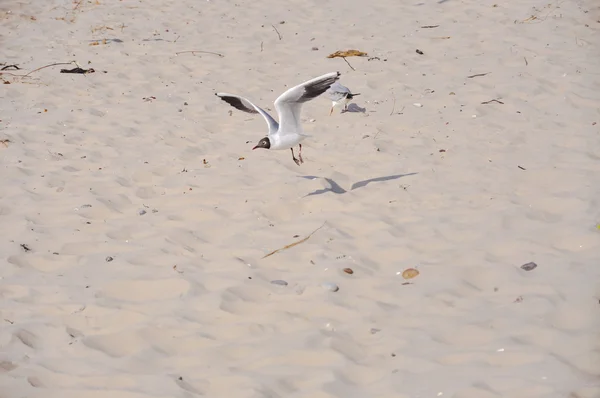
pixel 245 105
pixel 289 104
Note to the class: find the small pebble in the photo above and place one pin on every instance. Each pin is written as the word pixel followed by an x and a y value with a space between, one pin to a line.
pixel 373 330
pixel 85 206
pixel 332 287
pixel 410 273
pixel 315 48
pixel 279 282
pixel 109 259
pixel 418 105
pixel 141 212
pixel 348 271
pixel 529 266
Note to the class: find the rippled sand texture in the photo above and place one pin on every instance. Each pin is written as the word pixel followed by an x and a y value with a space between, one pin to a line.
pixel 134 215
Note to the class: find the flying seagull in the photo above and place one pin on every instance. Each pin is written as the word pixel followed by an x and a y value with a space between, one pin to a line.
pixel 288 132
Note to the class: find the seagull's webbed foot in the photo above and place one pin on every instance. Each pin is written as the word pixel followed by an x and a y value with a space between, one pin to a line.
pixel 294 157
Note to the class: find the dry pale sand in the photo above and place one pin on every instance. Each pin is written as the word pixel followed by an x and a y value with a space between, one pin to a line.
pixel 186 308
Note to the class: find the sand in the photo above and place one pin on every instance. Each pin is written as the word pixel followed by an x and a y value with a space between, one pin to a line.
pixel 134 215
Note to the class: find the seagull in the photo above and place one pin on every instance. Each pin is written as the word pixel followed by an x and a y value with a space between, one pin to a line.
pixel 339 94
pixel 288 132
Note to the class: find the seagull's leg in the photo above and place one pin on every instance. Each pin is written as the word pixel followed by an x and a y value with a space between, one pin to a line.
pixel 294 157
pixel 331 111
pixel 300 154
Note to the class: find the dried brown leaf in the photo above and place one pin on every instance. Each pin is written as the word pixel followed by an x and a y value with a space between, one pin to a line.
pixel 347 53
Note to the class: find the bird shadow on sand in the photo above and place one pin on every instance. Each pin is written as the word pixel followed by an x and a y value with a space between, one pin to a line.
pixel 353 108
pixel 337 189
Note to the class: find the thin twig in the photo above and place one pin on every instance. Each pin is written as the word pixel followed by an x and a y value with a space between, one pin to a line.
pixel 261 46
pixel 295 243
pixel 490 101
pixel 47 66
pixel 344 58
pixel 278 34
pixel 478 75
pixel 535 17
pixel 429 26
pixel 40 68
pixel 393 105
pixel 8 73
pixel 10 66
pixel 526 63
pixel 199 51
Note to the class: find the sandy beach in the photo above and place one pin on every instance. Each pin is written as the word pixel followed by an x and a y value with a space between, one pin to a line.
pixel 135 217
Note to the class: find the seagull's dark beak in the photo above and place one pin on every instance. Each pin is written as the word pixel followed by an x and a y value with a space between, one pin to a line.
pixel 255 147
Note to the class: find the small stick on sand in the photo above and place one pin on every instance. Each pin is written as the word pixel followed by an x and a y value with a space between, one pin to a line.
pixel 478 75
pixel 344 58
pixel 393 105
pixel 15 67
pixel 11 74
pixel 490 101
pixel 199 51
pixel 47 66
pixel 278 34
pixel 295 243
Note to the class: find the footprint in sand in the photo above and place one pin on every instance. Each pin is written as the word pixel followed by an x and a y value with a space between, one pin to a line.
pixel 43 262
